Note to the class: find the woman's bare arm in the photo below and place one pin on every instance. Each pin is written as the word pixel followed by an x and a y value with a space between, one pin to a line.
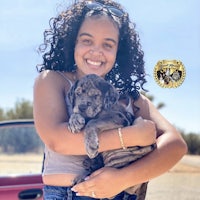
pixel 170 147
pixel 50 114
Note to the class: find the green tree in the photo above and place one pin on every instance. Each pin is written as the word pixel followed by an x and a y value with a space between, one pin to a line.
pixel 23 110
pixel 193 143
pixel 2 115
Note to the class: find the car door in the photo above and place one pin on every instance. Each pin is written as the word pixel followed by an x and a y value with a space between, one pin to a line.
pixel 21 156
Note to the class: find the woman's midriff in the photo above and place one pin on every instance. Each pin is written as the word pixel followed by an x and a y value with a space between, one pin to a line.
pixel 59 179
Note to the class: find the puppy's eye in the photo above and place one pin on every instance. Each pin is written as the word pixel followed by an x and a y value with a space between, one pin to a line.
pixel 89 103
pixel 113 99
pixel 78 91
pixel 96 96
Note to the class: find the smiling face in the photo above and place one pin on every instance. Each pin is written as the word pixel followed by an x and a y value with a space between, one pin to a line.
pixel 96 46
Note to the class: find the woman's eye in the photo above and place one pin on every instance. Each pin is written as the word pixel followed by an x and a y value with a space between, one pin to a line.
pixel 86 42
pixel 108 46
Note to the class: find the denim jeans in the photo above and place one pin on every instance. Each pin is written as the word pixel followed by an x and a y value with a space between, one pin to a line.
pixel 65 193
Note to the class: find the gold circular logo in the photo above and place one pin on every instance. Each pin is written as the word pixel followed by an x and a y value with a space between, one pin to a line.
pixel 169 73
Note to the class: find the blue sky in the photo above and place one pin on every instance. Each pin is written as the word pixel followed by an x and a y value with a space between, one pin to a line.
pixel 168 30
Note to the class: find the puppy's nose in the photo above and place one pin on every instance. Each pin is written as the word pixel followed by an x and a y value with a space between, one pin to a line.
pixel 82 107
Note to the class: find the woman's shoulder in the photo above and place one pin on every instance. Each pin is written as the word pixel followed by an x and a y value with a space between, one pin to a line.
pixel 49 79
pixel 54 77
pixel 141 100
pixel 46 75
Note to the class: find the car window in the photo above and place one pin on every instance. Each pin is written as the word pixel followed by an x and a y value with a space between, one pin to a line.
pixel 21 150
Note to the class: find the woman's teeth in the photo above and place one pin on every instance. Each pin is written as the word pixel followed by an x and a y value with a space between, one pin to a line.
pixel 96 63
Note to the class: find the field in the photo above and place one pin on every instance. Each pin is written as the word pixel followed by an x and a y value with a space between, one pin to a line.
pixel 182 182
pixel 20 164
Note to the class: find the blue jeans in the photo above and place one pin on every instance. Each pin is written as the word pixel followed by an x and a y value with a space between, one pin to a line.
pixel 65 193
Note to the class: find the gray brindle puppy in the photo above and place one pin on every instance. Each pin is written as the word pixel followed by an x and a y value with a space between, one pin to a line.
pixel 96 108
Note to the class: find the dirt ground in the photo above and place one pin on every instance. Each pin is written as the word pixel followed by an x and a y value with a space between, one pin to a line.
pixel 182 182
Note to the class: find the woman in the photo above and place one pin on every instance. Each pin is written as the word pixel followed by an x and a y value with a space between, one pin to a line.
pixel 97 37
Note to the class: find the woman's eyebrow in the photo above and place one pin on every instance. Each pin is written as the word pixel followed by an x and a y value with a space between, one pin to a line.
pixel 89 35
pixel 85 34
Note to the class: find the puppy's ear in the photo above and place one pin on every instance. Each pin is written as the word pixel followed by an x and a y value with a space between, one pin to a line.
pixel 111 96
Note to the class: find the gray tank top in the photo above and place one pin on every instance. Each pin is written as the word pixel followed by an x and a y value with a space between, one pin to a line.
pixel 55 163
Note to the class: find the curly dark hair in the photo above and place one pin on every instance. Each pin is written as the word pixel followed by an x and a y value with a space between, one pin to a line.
pixel 128 74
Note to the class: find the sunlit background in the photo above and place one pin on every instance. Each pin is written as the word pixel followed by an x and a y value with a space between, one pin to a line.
pixel 168 30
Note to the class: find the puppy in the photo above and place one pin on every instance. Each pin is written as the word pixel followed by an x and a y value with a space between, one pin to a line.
pixel 95 108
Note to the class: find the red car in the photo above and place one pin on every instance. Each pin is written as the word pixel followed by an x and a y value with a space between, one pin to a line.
pixel 21 156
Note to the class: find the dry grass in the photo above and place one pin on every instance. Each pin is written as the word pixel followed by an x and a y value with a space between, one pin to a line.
pixel 20 164
pixel 182 182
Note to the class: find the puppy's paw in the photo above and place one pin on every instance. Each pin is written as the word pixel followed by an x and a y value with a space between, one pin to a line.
pixel 92 150
pixel 76 123
pixel 91 143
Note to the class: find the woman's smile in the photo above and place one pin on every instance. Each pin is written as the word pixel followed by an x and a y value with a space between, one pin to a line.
pixel 93 63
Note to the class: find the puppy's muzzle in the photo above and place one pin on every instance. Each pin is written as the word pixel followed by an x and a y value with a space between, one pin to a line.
pixel 82 108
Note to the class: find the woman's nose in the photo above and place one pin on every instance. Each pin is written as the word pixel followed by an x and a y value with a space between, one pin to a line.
pixel 96 51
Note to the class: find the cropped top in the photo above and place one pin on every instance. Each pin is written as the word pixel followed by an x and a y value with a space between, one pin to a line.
pixel 55 163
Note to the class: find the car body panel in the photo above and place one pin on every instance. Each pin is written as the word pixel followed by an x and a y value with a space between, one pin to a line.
pixel 21 185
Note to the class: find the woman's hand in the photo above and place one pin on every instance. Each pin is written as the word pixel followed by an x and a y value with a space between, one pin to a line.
pixel 103 183
pixel 146 130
